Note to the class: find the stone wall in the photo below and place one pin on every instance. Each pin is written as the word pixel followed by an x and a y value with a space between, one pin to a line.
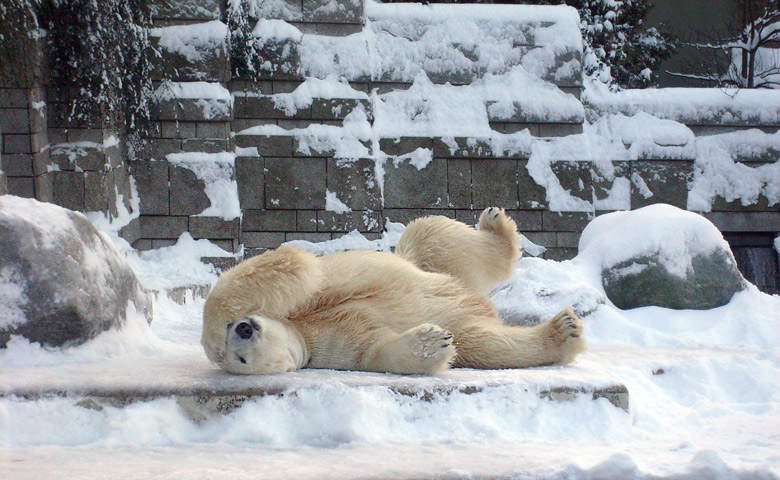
pixel 227 160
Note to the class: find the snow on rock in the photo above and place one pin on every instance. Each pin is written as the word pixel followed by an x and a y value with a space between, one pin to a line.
pixel 354 240
pixel 216 170
pixel 192 41
pixel 693 106
pixel 646 136
pixel 660 255
pixel 717 174
pixel 540 289
pixel 277 31
pixel 61 281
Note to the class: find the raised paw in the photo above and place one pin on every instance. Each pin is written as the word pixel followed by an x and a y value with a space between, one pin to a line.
pixel 430 341
pixel 564 333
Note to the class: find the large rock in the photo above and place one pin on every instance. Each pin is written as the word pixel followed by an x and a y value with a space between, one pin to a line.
pixel 61 281
pixel 663 256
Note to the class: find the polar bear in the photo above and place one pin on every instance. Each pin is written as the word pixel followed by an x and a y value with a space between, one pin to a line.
pixel 419 310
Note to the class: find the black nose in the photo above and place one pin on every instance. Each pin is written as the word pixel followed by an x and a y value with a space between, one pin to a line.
pixel 245 330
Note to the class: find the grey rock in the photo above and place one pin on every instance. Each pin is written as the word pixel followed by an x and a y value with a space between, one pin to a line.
pixel 711 284
pixel 64 282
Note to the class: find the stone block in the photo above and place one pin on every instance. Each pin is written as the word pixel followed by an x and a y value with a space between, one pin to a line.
pixel 194 109
pixel 494 184
pixel 249 86
pixel 284 86
pixel 187 192
pixel 264 107
pixel 527 220
pixel 565 221
pixel 95 192
pixel 251 182
pixel 559 254
pixel 295 183
pixel 559 129
pixel 530 194
pixel 575 178
pixel 178 130
pixel 545 239
pixel 406 215
pixel 220 130
pixel 261 239
pixel 205 145
pixel 21 186
pixel 604 183
pixel 158 149
pixel 333 11
pixel 16 143
pixel 408 187
pixel 355 183
pixel 660 182
pixel 166 227
pixel 200 61
pixel 213 227
pixel 362 221
pixel 14 120
pixel 514 127
pixel 44 187
pixel 567 71
pixel 281 59
pixel 132 231
pixel 69 190
pixel 314 237
pixel 18 165
pixel 459 183
pixel 745 221
pixel 58 135
pixel 93 135
pixel 305 147
pixel 460 147
pixel 337 108
pixel 306 220
pixel 403 145
pixel 38 120
pixel 522 115
pixel 268 221
pixel 267 145
pixel 151 180
pixel 13 98
pixel 142 244
pixel 568 239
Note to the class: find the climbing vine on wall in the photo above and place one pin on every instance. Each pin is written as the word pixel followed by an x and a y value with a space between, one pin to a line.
pixel 98 54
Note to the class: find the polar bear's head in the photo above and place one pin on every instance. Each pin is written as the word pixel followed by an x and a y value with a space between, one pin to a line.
pixel 256 345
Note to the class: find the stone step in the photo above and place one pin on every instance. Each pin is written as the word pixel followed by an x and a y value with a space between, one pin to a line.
pixel 204 390
pixel 258 106
pixel 193 101
pixel 192 52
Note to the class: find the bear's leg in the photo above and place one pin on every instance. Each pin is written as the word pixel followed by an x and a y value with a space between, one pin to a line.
pixel 425 349
pixel 555 342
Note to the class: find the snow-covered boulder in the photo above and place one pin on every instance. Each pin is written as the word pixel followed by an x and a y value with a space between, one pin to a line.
pixel 61 281
pixel 663 256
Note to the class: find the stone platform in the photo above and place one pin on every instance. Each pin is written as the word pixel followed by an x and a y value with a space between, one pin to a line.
pixel 203 390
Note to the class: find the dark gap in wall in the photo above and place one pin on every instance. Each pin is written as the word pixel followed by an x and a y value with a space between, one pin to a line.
pixel 757 258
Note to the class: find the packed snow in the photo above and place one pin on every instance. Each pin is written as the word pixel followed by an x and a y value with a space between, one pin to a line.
pixel 704 395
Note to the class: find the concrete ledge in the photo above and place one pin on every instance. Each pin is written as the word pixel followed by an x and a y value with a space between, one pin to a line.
pixel 204 390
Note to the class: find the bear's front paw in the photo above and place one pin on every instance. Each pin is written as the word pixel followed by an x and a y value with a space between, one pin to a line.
pixel 430 341
pixel 494 219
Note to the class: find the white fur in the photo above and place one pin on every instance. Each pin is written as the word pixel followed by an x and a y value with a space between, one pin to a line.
pixel 415 312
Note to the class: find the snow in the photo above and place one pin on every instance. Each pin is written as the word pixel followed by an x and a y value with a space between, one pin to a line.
pixel 697 106
pixel 216 171
pixel 675 235
pixel 191 41
pixel 193 90
pixel 704 391
pixel 333 204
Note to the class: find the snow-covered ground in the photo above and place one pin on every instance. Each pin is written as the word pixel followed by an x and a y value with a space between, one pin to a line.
pixel 704 398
